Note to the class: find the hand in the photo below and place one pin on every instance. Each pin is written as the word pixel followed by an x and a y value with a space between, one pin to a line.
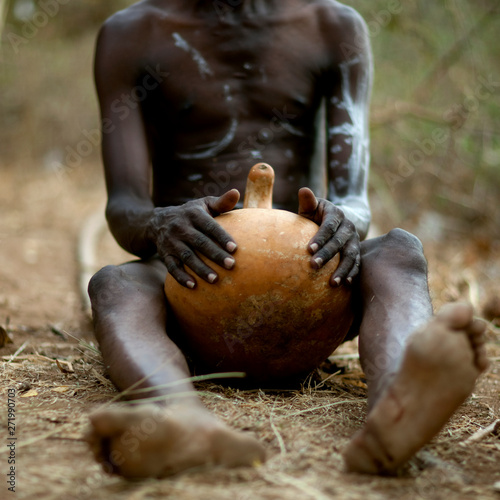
pixel 180 232
pixel 335 234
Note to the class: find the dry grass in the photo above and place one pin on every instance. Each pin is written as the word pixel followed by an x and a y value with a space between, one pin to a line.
pixel 304 430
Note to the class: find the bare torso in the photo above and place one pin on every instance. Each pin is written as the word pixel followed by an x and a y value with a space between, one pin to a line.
pixel 216 101
pixel 236 107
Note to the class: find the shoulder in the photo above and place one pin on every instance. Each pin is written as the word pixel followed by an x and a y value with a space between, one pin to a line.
pixel 127 25
pixel 342 27
pixel 335 15
pixel 125 39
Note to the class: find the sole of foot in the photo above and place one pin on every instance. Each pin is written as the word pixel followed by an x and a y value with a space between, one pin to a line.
pixel 441 364
pixel 151 441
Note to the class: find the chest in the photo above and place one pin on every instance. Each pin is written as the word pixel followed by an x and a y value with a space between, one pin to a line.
pixel 215 74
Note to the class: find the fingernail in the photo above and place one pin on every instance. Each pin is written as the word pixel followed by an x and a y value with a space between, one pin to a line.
pixel 314 247
pixel 319 261
pixel 337 281
pixel 229 262
pixel 212 277
pixel 231 246
pixel 349 280
pixel 190 284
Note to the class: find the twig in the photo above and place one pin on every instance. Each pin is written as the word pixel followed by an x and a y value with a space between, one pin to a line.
pixel 281 443
pixel 88 239
pixel 482 433
pixel 294 414
pixel 344 356
pixel 135 389
pixel 323 382
pixel 19 351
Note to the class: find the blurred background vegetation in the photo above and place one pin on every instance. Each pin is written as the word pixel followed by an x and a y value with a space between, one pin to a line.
pixel 435 109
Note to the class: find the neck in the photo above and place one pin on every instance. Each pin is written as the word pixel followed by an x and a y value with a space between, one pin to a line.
pixel 232 9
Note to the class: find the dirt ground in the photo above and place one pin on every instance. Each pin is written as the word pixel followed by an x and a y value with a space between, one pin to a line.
pixel 58 378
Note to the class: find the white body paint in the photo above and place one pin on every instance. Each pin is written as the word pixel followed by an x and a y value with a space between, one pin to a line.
pixel 291 129
pixel 356 131
pixel 227 93
pixel 256 155
pixel 200 61
pixel 212 149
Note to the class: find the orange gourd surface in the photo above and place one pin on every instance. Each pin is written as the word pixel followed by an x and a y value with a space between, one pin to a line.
pixel 272 315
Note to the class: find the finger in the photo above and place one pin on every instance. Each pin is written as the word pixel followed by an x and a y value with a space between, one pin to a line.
pixel 307 203
pixel 177 271
pixel 187 257
pixel 331 237
pixel 208 226
pixel 355 270
pixel 348 267
pixel 223 203
pixel 217 206
pixel 330 225
pixel 200 242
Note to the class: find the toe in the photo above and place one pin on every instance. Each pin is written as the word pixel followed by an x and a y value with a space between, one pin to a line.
pixel 478 340
pixel 234 450
pixel 457 315
pixel 108 423
pixel 477 329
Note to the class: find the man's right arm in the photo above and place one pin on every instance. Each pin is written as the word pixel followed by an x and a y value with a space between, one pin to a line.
pixel 175 233
pixel 124 146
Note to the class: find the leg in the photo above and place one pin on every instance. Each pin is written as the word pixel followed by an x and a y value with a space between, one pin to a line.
pixel 176 432
pixel 129 311
pixel 419 369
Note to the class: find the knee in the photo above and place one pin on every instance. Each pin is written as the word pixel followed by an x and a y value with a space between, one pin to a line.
pixel 403 239
pixel 402 246
pixel 106 282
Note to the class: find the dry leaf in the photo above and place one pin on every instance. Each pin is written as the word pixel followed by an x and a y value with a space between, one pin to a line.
pixel 24 386
pixel 4 337
pixel 99 377
pixel 30 394
pixel 65 366
pixel 62 388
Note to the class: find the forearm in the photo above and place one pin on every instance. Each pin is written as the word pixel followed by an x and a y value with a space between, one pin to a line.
pixel 129 221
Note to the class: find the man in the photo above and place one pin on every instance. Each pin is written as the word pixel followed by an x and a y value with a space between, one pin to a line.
pixel 192 94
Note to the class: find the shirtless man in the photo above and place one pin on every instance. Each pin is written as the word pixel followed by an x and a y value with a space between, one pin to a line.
pixel 192 94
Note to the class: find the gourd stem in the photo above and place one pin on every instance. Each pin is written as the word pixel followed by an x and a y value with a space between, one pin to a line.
pixel 259 188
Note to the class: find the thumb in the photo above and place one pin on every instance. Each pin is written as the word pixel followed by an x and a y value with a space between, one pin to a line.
pixel 307 203
pixel 224 203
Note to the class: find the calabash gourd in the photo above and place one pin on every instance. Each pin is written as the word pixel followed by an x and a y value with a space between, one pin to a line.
pixel 273 315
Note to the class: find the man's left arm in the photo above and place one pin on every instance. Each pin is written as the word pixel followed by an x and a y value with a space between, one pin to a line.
pixel 344 217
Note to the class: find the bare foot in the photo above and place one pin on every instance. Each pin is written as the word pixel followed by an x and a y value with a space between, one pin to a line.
pixel 152 441
pixel 441 364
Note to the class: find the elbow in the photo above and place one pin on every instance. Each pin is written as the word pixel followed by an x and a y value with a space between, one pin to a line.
pixel 129 233
pixel 364 226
